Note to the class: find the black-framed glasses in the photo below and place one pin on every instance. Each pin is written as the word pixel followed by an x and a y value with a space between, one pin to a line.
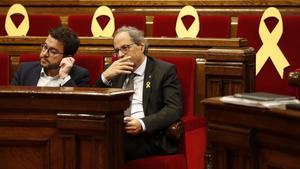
pixel 50 51
pixel 124 49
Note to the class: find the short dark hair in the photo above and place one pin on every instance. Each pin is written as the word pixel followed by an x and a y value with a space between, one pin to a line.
pixel 67 37
pixel 136 35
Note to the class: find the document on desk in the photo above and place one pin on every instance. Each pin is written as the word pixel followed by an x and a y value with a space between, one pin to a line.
pixel 261 102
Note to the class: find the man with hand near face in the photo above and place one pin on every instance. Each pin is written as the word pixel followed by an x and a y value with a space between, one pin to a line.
pixel 156 102
pixel 56 66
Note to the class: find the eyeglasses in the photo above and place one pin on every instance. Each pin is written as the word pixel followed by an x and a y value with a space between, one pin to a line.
pixel 50 51
pixel 124 49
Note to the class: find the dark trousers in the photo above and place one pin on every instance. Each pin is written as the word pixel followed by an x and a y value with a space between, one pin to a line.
pixel 140 146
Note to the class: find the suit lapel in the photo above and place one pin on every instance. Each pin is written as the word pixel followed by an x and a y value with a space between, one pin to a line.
pixel 147 87
pixel 36 73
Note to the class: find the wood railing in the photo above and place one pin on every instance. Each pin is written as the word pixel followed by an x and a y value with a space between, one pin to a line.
pixel 224 66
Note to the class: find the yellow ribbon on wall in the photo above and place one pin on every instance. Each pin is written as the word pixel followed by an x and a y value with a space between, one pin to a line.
pixel 109 28
pixel 193 30
pixel 270 40
pixel 10 27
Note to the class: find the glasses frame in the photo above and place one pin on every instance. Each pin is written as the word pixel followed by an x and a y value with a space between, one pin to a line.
pixel 124 49
pixel 50 51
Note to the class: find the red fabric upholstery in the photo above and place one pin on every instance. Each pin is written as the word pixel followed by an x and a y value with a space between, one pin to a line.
pixel 81 24
pixel 93 63
pixel 193 146
pixel 138 21
pixel 38 24
pixel 2 25
pixel 210 26
pixel 29 57
pixel 4 69
pixel 268 79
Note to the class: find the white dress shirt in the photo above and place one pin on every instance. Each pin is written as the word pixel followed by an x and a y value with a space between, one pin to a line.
pixel 50 81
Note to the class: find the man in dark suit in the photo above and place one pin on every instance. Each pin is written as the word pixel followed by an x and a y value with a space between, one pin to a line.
pixel 56 66
pixel 156 102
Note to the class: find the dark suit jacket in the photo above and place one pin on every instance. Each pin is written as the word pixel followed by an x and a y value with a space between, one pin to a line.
pixel 28 74
pixel 161 100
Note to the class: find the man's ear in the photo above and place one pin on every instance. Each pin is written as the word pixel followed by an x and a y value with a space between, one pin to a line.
pixel 142 47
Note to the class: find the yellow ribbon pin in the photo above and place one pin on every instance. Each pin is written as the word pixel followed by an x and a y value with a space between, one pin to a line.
pixel 10 27
pixel 270 40
pixel 193 30
pixel 110 27
pixel 148 85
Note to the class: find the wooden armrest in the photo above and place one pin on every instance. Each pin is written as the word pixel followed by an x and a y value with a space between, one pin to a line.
pixel 294 79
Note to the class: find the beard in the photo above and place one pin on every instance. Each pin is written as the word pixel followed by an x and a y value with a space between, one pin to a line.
pixel 49 66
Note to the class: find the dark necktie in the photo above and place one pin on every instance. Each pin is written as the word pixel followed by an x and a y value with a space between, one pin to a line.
pixel 129 85
pixel 130 81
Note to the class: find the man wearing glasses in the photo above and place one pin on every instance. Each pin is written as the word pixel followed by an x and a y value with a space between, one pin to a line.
pixel 56 66
pixel 156 102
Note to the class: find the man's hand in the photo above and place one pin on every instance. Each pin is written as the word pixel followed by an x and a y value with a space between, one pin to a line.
pixel 132 126
pixel 66 65
pixel 121 66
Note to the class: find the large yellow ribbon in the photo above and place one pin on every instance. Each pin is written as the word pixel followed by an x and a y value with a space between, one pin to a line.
pixel 109 28
pixel 270 40
pixel 10 27
pixel 193 30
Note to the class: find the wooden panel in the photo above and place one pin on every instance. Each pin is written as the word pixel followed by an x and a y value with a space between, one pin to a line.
pixel 248 138
pixel 60 128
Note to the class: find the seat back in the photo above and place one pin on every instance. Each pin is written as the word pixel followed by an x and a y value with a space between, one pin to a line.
pixel 81 24
pixel 210 26
pixel 28 57
pixel 186 69
pixel 94 63
pixel 39 25
pixel 2 27
pixel 4 69
pixel 268 79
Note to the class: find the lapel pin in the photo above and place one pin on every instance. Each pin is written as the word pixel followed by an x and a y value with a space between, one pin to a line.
pixel 148 84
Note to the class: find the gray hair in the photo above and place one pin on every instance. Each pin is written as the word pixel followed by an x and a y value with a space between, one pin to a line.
pixel 135 34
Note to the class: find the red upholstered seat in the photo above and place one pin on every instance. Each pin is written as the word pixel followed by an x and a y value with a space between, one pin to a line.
pixel 4 69
pixel 81 24
pixel 29 57
pixel 193 146
pixel 210 26
pixel 38 24
pixel 2 27
pixel 268 79
pixel 94 63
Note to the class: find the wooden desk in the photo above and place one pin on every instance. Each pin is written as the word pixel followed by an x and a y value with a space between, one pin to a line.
pixel 61 128
pixel 245 138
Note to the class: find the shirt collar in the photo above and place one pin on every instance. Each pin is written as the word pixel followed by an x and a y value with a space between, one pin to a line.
pixel 43 74
pixel 141 69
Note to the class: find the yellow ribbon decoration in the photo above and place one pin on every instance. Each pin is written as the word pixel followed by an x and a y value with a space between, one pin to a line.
pixel 148 85
pixel 270 40
pixel 193 30
pixel 10 27
pixel 110 27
